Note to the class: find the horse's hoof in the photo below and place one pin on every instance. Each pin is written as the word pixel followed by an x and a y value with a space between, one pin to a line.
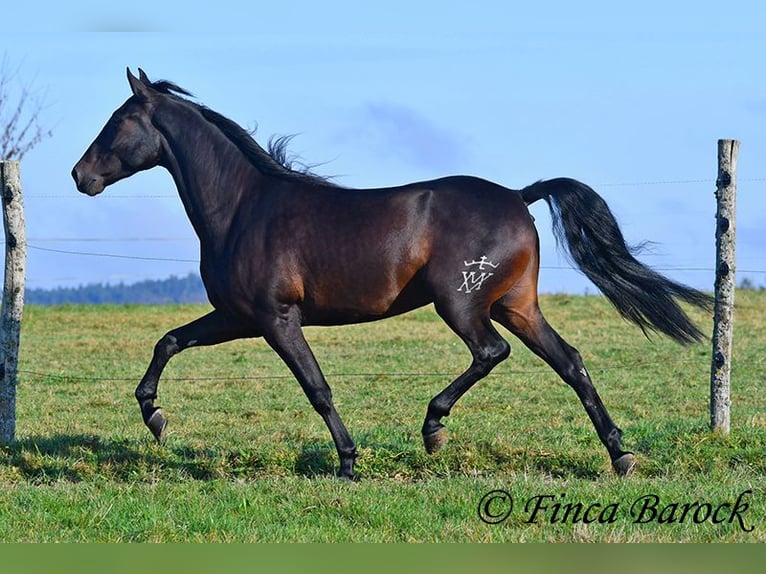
pixel 435 440
pixel 624 465
pixel 346 471
pixel 157 423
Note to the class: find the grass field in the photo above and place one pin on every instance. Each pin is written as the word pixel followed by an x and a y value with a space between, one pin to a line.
pixel 248 460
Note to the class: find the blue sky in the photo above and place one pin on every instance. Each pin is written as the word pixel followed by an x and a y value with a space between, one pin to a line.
pixel 629 99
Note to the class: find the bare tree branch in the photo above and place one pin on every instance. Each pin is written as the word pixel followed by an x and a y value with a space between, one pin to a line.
pixel 20 129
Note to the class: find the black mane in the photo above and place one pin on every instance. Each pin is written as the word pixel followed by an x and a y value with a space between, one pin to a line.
pixel 165 87
pixel 275 160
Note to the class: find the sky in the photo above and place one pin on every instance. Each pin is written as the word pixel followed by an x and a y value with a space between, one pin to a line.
pixel 630 99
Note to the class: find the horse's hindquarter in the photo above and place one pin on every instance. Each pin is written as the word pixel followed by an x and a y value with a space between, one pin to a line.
pixel 484 242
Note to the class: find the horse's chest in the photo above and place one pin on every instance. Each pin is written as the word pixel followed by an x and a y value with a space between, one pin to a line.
pixel 241 282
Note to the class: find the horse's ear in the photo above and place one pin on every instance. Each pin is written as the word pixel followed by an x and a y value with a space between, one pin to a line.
pixel 140 89
pixel 143 77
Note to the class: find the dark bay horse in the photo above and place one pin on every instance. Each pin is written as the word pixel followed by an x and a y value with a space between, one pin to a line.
pixel 281 249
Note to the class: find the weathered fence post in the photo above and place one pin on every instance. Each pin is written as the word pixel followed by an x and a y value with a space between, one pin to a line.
pixel 13 294
pixel 725 235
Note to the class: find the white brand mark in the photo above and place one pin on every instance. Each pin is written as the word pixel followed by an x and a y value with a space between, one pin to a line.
pixel 473 280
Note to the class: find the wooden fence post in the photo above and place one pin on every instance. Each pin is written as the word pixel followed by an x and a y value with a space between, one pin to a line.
pixel 726 193
pixel 13 294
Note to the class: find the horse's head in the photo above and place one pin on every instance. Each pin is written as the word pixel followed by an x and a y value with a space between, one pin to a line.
pixel 128 143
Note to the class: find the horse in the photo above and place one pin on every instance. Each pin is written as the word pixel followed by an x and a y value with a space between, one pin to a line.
pixel 282 248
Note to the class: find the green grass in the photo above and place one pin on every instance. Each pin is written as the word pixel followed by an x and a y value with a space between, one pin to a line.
pixel 247 459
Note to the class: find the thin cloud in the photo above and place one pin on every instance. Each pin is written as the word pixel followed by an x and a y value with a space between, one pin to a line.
pixel 399 133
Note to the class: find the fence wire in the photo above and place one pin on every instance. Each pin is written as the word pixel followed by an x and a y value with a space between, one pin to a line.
pixel 34 245
pixel 702 361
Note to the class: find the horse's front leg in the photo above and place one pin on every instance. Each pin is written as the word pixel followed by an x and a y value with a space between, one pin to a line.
pixel 283 333
pixel 211 329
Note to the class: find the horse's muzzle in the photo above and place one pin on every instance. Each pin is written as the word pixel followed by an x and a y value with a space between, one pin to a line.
pixel 88 184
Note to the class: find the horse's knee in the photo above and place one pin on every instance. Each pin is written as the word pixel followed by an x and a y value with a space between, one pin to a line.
pixel 167 346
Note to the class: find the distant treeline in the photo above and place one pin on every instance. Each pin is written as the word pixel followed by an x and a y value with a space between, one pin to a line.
pixel 187 289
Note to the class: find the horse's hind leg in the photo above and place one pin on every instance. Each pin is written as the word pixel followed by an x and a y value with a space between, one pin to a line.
pixel 488 349
pixel 530 326
pixel 211 329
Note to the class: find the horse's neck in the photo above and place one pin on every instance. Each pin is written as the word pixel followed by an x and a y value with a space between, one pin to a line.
pixel 210 174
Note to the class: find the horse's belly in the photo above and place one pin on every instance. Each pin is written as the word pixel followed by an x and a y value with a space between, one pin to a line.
pixel 360 301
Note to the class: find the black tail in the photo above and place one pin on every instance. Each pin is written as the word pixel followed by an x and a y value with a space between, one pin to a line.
pixel 583 223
